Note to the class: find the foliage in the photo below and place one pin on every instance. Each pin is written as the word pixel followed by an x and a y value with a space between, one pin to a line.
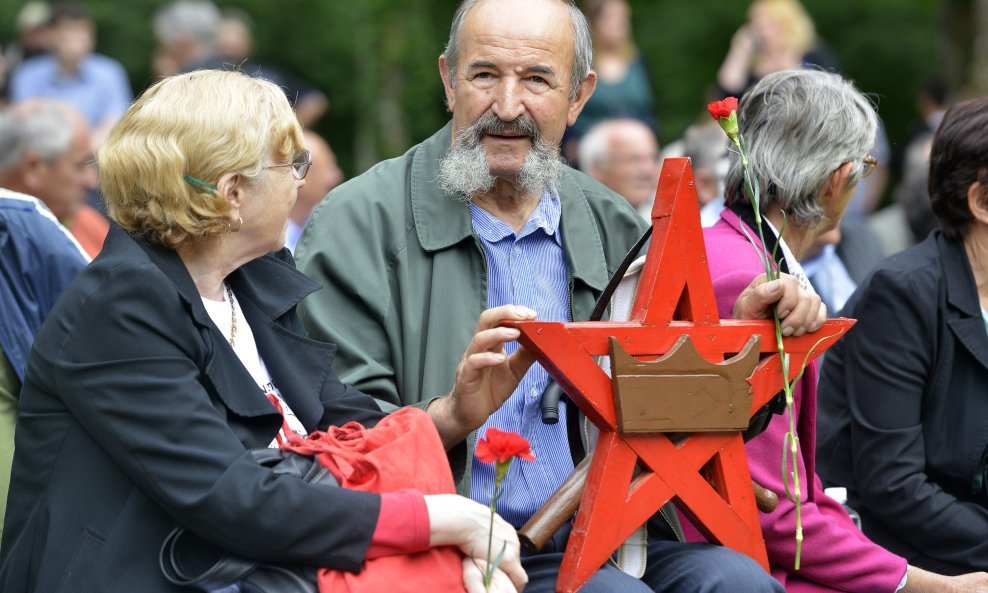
pixel 376 59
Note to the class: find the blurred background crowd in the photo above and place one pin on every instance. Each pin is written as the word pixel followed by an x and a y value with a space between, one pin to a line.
pixel 362 77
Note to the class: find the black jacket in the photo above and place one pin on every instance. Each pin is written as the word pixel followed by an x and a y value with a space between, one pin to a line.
pixel 903 408
pixel 136 416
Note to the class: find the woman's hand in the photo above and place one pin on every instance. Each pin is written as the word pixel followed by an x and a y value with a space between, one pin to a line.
pixel 800 310
pixel 922 581
pixel 736 68
pixel 485 376
pixel 473 579
pixel 458 521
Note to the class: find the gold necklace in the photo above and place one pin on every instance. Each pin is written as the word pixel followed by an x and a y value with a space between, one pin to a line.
pixel 233 315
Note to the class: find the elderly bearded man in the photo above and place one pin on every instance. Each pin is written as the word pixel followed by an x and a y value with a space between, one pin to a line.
pixel 484 214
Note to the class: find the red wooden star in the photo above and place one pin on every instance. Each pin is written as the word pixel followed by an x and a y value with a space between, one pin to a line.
pixel 706 474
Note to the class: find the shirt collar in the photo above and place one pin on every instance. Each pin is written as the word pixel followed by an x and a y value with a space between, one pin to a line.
pixel 795 269
pixel 545 217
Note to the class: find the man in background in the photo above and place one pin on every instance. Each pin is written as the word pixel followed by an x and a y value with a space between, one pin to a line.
pixel 38 259
pixel 623 154
pixel 45 151
pixel 324 174
pixel 94 84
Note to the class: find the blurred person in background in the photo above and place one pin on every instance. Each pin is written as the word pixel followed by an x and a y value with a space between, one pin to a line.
pixel 49 155
pixel 912 194
pixel 902 396
pixel 186 34
pixel 841 259
pixel 779 35
pixel 38 259
pixel 623 154
pixel 235 50
pixel 33 24
pixel 324 175
pixel 706 147
pixel 94 84
pixel 624 89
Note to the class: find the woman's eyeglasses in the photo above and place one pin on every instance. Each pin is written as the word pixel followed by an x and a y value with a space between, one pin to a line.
pixel 869 166
pixel 300 164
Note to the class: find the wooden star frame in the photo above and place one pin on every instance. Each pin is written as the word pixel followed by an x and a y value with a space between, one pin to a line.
pixel 706 473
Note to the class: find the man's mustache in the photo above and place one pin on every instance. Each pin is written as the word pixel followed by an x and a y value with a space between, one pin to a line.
pixel 491 124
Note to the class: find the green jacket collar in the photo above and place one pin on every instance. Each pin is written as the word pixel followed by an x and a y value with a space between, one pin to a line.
pixel 442 222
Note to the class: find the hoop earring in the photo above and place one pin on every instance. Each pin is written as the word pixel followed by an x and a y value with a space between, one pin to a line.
pixel 240 223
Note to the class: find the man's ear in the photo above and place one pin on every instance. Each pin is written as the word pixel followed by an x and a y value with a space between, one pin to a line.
pixel 447 83
pixel 977 201
pixel 32 171
pixel 583 93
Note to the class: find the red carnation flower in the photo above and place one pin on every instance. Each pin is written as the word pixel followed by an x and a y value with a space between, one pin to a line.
pixel 723 108
pixel 499 446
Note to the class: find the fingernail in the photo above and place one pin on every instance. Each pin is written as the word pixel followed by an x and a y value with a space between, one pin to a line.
pixel 787 332
pixel 773 286
pixel 524 312
pixel 784 314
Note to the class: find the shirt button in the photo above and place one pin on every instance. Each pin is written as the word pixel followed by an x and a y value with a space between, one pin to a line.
pixel 517 250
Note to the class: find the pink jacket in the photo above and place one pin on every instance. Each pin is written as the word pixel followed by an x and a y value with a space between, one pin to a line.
pixel 836 556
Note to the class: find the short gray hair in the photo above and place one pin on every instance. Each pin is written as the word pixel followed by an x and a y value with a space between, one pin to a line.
pixel 45 128
pixel 582 44
pixel 594 149
pixel 801 125
pixel 198 19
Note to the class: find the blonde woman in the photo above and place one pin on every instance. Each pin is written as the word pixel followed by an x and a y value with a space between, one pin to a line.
pixel 779 35
pixel 179 349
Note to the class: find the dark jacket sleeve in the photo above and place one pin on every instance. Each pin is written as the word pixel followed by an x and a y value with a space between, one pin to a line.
pixel 889 359
pixel 133 380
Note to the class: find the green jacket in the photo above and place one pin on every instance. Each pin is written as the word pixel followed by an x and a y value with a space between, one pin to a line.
pixel 405 279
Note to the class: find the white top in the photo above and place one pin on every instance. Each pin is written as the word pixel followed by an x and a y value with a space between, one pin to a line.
pixel 246 349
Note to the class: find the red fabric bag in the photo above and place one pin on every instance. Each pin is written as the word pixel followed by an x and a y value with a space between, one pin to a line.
pixel 402 451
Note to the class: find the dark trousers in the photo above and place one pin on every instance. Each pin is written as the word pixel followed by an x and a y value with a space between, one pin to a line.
pixel 672 568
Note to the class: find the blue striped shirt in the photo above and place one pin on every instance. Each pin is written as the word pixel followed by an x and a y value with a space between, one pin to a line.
pixel 527 268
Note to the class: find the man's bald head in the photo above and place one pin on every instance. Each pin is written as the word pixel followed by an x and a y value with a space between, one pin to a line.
pixel 623 154
pixel 582 45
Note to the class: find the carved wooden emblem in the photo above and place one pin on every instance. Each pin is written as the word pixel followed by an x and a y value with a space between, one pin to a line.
pixel 682 391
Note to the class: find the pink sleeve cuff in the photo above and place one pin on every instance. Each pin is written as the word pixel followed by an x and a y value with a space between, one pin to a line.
pixel 402 526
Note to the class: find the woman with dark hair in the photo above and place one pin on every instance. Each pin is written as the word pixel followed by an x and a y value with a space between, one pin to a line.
pixel 904 396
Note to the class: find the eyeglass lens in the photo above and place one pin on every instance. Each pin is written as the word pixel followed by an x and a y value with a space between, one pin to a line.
pixel 301 164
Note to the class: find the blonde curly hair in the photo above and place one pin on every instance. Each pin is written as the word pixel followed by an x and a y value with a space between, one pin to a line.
pixel 202 124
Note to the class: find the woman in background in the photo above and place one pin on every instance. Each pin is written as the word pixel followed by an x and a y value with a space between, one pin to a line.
pixel 623 86
pixel 904 396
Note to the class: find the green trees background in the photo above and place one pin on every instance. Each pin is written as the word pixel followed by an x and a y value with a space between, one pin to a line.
pixel 376 59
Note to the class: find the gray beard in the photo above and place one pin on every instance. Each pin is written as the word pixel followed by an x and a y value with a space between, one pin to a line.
pixel 464 172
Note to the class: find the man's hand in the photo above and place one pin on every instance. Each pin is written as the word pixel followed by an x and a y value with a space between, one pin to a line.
pixel 800 311
pixel 485 378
